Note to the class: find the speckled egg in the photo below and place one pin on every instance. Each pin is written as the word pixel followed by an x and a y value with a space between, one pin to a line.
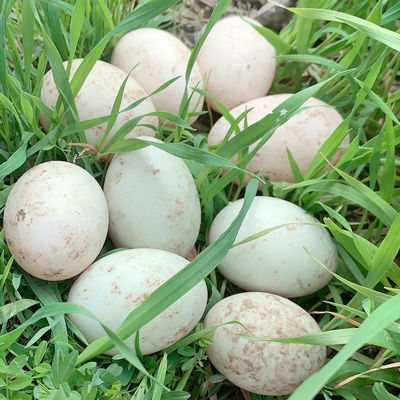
pixel 238 62
pixel 267 368
pixel 153 201
pixel 96 98
pixel 55 220
pixel 158 56
pixel 303 135
pixel 115 285
pixel 276 262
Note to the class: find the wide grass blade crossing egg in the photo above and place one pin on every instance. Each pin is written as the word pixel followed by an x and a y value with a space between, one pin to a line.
pixel 153 201
pixel 96 98
pixel 55 220
pixel 303 134
pixel 276 262
pixel 115 285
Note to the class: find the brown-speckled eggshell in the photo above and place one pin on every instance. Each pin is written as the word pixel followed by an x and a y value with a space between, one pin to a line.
pixel 238 62
pixel 155 56
pixel 115 285
pixel 303 135
pixel 96 99
pixel 153 201
pixel 267 368
pixel 55 220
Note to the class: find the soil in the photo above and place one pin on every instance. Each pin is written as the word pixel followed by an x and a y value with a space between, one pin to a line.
pixel 195 15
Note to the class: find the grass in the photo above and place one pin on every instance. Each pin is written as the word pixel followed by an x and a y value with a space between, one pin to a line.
pixel 345 53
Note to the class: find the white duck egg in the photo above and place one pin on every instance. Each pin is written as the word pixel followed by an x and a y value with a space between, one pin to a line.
pixel 115 285
pixel 238 62
pixel 276 262
pixel 153 201
pixel 157 56
pixel 55 220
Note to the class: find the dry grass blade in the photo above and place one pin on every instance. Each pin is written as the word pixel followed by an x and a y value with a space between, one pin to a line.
pixel 335 314
pixel 351 378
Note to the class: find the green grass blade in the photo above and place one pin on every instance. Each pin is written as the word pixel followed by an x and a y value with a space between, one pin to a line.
pixel 52 15
pixel 27 38
pixel 374 323
pixel 106 14
pixel 378 101
pixel 275 40
pixel 357 193
pixel 114 111
pixel 47 294
pixel 219 9
pixel 59 309
pixel 14 162
pixel 391 14
pixel 180 150
pixel 5 10
pixel 334 337
pixel 10 309
pixel 335 215
pixel 383 35
pixel 162 370
pixel 179 284
pixel 140 15
pixel 277 117
pixel 77 19
pixel 312 59
pixel 380 392
pixel 59 74
pixel 385 254
pixel 388 178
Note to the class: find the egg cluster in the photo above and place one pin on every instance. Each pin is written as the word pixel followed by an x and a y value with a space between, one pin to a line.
pixel 57 216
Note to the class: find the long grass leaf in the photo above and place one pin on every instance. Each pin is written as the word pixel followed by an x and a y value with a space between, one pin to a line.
pixel 334 337
pixel 357 193
pixel 383 35
pixel 270 122
pixel 76 25
pixel 27 38
pixel 388 178
pixel 140 14
pixel 179 284
pixel 374 323
pixel 5 9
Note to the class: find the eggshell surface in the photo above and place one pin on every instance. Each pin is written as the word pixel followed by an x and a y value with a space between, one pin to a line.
pixel 55 220
pixel 267 368
pixel 157 56
pixel 153 201
pixel 303 135
pixel 96 98
pixel 115 285
pixel 276 262
pixel 239 63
